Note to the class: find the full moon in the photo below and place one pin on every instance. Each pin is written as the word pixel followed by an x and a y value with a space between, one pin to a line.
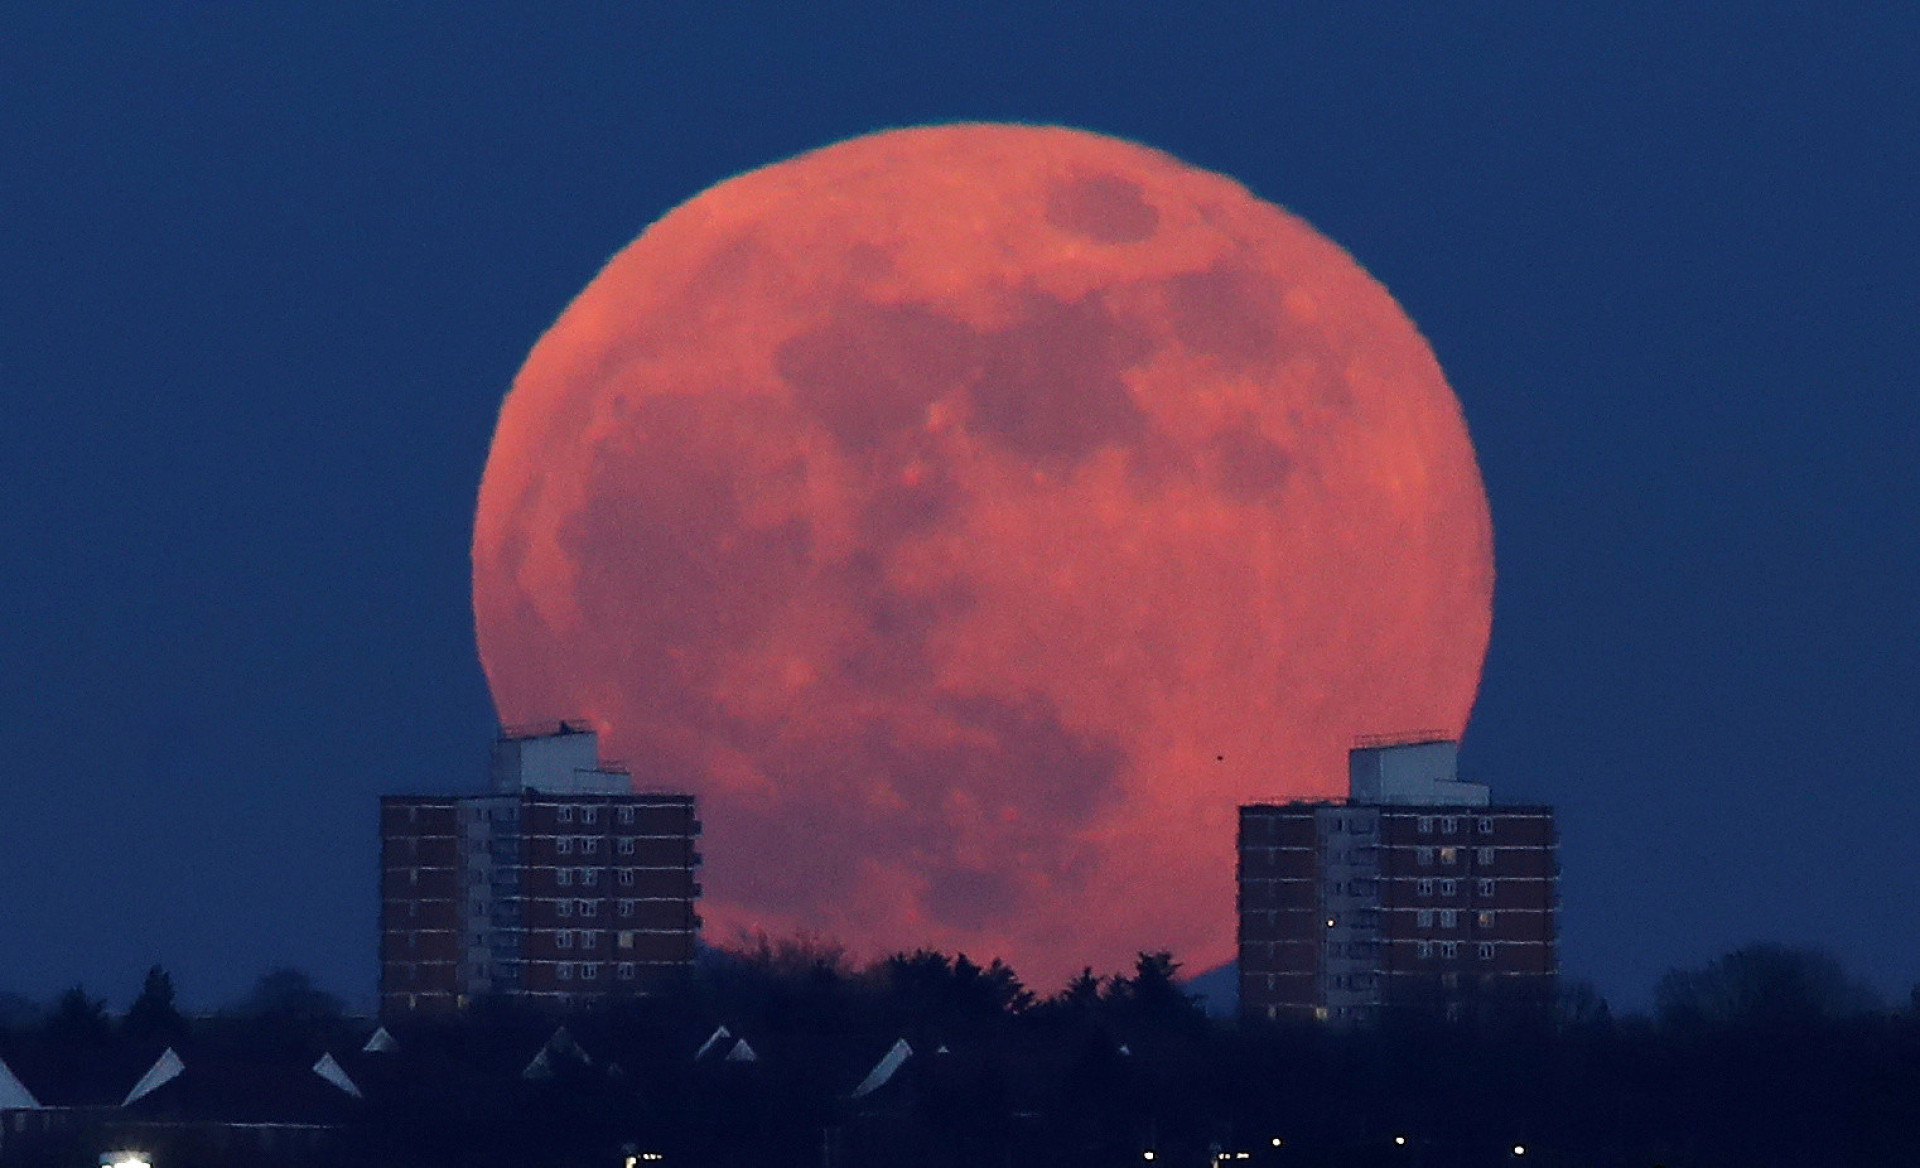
pixel 972 517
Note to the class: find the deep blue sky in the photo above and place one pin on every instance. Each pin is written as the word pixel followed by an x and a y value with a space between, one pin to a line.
pixel 268 270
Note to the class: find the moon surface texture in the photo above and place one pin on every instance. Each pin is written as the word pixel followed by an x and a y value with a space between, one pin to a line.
pixel 972 517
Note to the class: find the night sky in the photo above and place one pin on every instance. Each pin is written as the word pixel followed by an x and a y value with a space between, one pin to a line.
pixel 268 273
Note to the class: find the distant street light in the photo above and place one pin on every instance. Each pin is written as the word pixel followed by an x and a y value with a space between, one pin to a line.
pixel 1519 1149
pixel 125 1160
pixel 1399 1141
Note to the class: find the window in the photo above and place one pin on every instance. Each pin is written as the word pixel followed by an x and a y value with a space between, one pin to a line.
pixel 1484 919
pixel 626 846
pixel 1423 919
pixel 626 875
pixel 1486 826
pixel 590 971
pixel 563 909
pixel 626 815
pixel 624 971
pixel 563 877
pixel 1486 950
pixel 1339 825
pixel 563 971
pixel 1423 857
pixel 1425 887
pixel 1423 948
pixel 624 939
pixel 565 815
pixel 1449 825
pixel 1425 825
pixel 1483 856
pixel 1485 886
pixel 1449 887
pixel 626 908
pixel 589 940
pixel 1449 855
pixel 589 815
pixel 1449 948
pixel 585 908
pixel 563 845
pixel 590 876
pixel 563 939
pixel 1449 918
pixel 590 845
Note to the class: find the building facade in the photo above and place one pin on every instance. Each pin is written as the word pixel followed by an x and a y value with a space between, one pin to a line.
pixel 559 885
pixel 1415 894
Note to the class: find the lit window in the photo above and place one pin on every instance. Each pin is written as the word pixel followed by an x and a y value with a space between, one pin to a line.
pixel 1423 948
pixel 626 875
pixel 1423 856
pixel 1424 918
pixel 1425 887
pixel 1486 827
pixel 1484 919
pixel 589 815
pixel 626 846
pixel 1449 887
pixel 626 815
pixel 1449 855
pixel 1483 855
pixel 1486 951
pixel 1449 825
pixel 1486 887
pixel 563 876
pixel 563 908
pixel 565 815
pixel 564 845
pixel 624 971
pixel 1448 918
pixel 563 939
pixel 624 938
pixel 563 971
pixel 1449 949
pixel 1426 825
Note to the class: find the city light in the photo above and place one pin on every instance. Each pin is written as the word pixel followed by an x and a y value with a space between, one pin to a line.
pixel 1147 1155
pixel 1519 1149
pixel 1277 1141
pixel 1399 1141
pixel 125 1160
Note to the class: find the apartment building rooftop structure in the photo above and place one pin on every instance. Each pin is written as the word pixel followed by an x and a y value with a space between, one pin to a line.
pixel 1416 893
pixel 559 885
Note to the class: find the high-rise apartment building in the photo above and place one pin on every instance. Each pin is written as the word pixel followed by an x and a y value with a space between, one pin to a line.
pixel 1416 893
pixel 559 885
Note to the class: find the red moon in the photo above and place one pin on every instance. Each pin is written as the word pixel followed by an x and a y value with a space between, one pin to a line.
pixel 972 516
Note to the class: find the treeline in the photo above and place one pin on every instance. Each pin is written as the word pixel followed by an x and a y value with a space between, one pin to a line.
pixel 1769 1055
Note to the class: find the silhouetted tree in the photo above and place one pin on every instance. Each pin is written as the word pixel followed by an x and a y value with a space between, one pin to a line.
pixel 78 1020
pixel 152 1017
pixel 1153 995
pixel 1762 985
pixel 290 995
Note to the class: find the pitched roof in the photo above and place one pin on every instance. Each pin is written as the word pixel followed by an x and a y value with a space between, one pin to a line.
pixel 14 1095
